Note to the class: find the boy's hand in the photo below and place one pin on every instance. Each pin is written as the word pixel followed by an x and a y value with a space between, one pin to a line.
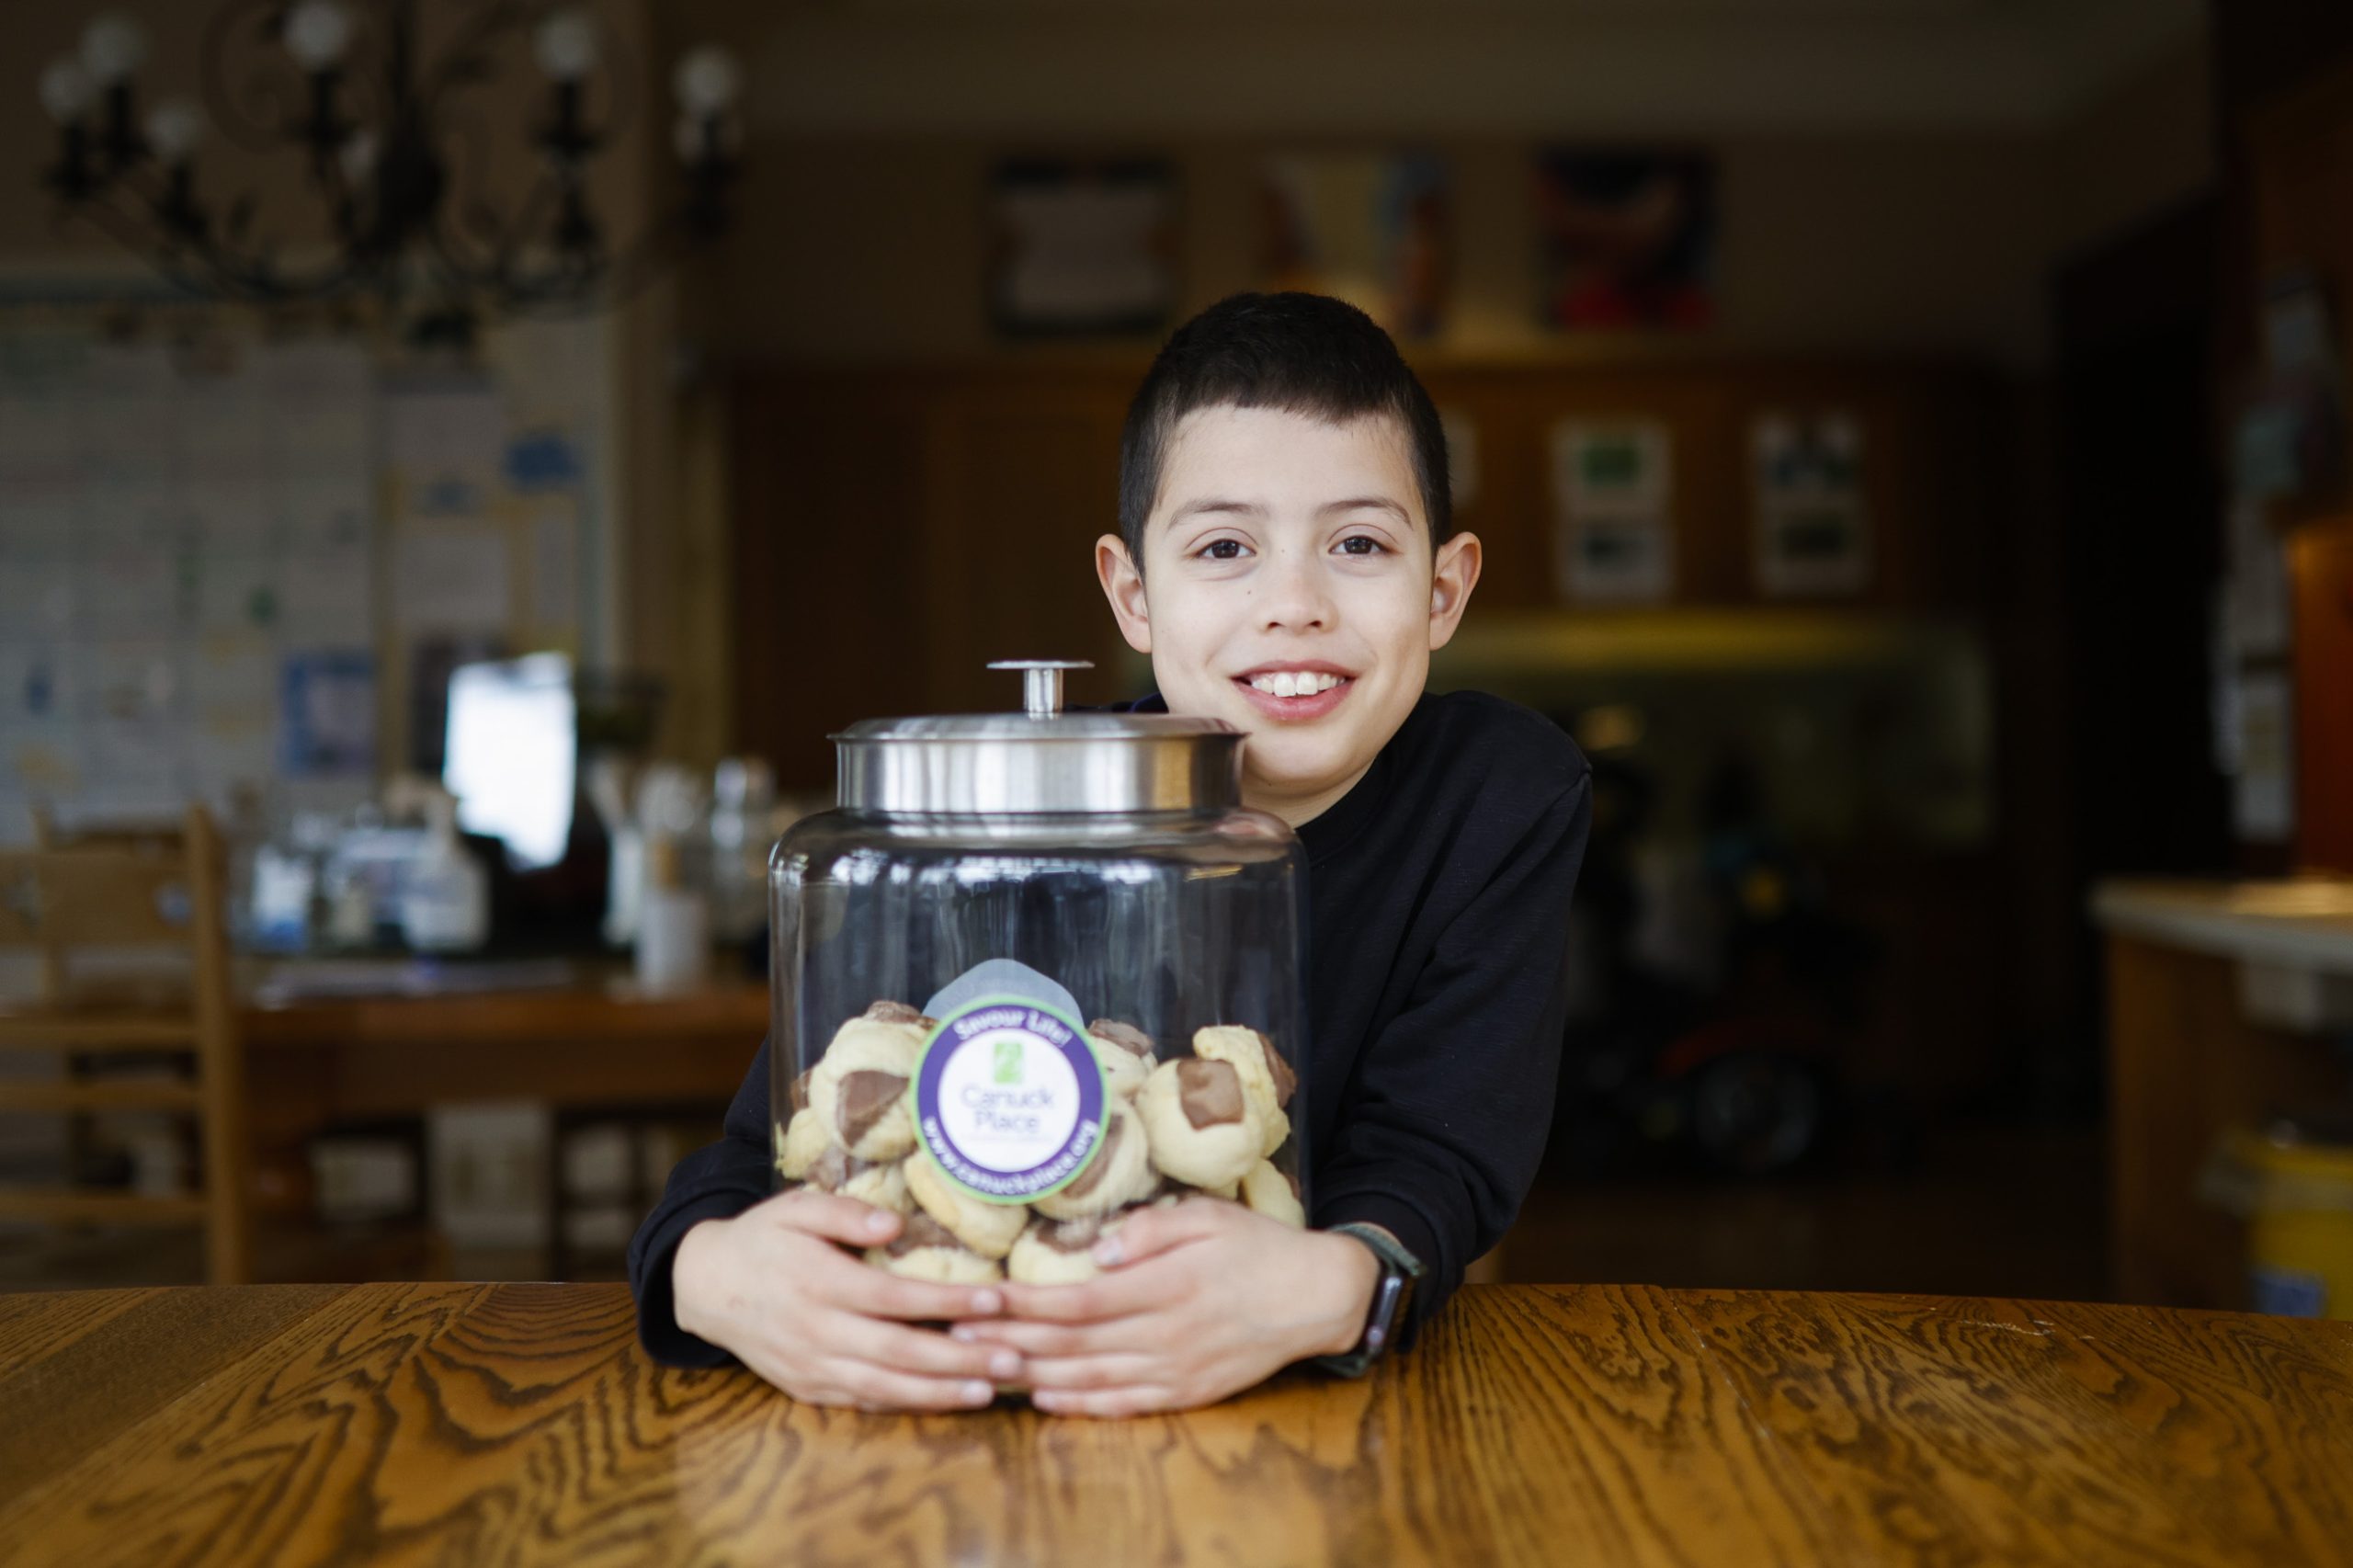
pixel 826 1326
pixel 1198 1301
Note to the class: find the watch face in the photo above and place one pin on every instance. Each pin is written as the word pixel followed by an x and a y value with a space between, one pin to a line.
pixel 1388 1309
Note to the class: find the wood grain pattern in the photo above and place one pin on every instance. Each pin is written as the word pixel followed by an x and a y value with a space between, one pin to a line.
pixel 1621 1425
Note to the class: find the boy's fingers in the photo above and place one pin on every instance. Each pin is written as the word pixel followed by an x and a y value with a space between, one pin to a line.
pixel 1063 1339
pixel 836 1218
pixel 881 1389
pixel 861 1288
pixel 1139 1400
pixel 925 1352
pixel 1120 1294
pixel 1127 1369
pixel 1147 1232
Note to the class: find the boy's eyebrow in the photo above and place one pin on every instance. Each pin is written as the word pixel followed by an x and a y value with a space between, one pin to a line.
pixel 1215 504
pixel 1378 502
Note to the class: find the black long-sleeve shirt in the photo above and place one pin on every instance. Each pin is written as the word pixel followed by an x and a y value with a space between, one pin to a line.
pixel 1437 930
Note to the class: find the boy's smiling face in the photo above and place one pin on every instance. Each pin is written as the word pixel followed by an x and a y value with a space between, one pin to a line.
pixel 1288 586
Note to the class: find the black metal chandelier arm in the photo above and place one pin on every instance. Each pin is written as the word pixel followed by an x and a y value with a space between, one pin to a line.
pixel 465 60
pixel 194 265
pixel 622 276
pixel 266 113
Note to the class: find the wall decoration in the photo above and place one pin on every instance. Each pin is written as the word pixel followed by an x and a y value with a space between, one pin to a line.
pixel 1613 533
pixel 1812 538
pixel 1082 248
pixel 1629 238
pixel 1372 228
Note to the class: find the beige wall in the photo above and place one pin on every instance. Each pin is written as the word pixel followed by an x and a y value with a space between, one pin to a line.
pixel 864 246
pixel 875 248
pixel 2145 145
pixel 860 242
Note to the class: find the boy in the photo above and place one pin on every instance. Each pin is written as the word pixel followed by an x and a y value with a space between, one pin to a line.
pixel 1286 556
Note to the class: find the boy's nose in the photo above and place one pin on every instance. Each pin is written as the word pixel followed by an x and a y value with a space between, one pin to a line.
pixel 1300 600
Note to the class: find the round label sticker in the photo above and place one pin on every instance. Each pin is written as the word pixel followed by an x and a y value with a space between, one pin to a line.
pixel 1009 1099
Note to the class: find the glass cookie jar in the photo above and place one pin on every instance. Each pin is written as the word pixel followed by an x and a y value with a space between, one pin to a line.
pixel 1036 970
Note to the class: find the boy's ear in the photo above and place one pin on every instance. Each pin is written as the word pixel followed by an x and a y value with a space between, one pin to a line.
pixel 1456 572
pixel 1123 585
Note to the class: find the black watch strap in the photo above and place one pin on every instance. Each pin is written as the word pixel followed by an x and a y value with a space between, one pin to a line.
pixel 1393 1296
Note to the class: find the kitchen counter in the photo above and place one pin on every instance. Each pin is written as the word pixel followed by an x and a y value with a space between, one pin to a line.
pixel 2305 923
pixel 1621 1425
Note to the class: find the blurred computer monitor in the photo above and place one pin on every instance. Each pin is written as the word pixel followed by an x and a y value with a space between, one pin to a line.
pixel 512 754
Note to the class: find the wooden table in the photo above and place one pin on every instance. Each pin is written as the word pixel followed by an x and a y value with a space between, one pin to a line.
pixel 519 1424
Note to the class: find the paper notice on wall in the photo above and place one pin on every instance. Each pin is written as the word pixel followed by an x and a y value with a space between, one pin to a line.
pixel 450 579
pixel 2263 791
pixel 1613 534
pixel 2257 606
pixel 444 446
pixel 551 536
pixel 1811 534
pixel 327 719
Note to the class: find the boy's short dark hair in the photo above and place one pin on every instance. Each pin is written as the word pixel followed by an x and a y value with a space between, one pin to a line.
pixel 1300 353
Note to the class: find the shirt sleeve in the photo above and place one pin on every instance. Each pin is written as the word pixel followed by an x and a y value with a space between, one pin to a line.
pixel 717 1182
pixel 1438 1137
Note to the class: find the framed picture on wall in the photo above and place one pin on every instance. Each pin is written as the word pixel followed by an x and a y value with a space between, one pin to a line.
pixel 1811 536
pixel 1372 228
pixel 1081 247
pixel 1613 534
pixel 1628 238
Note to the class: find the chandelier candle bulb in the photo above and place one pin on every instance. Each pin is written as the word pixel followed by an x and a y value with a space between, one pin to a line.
pixel 317 33
pixel 65 90
pixel 175 128
pixel 708 81
pixel 113 46
pixel 566 46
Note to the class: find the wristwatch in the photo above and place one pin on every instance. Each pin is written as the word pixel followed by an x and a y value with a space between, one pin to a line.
pixel 1392 1293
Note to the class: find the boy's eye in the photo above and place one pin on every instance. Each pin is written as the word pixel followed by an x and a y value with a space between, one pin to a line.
pixel 1360 544
pixel 1221 549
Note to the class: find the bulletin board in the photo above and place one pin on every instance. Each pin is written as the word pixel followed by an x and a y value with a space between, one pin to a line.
pixel 223 554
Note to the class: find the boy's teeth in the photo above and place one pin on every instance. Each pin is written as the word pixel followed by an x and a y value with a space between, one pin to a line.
pixel 1284 682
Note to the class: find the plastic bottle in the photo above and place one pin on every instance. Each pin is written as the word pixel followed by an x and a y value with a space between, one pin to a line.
pixel 445 903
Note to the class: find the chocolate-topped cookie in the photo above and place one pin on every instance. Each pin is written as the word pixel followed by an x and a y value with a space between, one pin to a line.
pixel 1202 1126
pixel 1117 1174
pixel 1126 1052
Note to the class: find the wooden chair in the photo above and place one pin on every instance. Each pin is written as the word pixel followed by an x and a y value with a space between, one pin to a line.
pixel 119 892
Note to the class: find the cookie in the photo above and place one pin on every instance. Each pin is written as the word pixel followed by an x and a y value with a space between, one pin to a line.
pixel 1265 1074
pixel 860 1089
pixel 1273 1194
pixel 1054 1253
pixel 1277 1133
pixel 883 1186
pixel 1127 1054
pixel 799 1146
pixel 1203 1127
pixel 925 1250
pixel 989 1229
pixel 1120 1174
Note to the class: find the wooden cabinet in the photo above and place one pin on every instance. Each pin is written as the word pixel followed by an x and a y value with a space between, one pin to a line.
pixel 2184 1065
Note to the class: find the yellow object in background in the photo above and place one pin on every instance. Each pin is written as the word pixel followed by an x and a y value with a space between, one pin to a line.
pixel 2296 1194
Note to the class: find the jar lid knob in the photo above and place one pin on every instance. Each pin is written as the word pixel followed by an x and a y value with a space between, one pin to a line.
pixel 1041 683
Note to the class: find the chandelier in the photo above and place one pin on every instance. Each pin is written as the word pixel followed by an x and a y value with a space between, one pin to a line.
pixel 391 155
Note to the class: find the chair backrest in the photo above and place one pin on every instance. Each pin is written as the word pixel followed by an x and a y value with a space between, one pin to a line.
pixel 113 892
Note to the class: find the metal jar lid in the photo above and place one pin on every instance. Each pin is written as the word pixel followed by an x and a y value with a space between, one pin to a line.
pixel 1041 760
